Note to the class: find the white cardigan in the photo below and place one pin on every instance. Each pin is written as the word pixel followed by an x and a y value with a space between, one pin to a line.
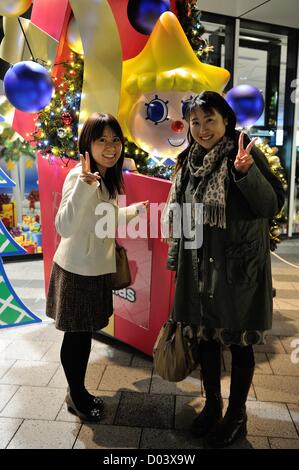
pixel 80 251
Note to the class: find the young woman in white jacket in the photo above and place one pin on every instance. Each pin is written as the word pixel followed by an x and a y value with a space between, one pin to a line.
pixel 80 293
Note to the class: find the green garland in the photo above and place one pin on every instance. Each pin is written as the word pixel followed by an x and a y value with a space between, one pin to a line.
pixel 275 224
pixel 13 147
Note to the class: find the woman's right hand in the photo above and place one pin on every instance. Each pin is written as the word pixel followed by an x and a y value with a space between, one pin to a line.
pixel 86 175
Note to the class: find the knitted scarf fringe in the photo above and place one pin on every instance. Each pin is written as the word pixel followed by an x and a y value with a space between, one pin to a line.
pixel 214 215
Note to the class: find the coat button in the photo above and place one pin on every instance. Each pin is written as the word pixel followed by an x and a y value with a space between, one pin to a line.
pixel 211 260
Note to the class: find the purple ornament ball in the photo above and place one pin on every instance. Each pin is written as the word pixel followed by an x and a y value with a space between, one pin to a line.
pixel 247 102
pixel 28 86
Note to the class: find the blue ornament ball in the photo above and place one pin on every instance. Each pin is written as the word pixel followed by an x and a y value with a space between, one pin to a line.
pixel 143 14
pixel 28 86
pixel 247 102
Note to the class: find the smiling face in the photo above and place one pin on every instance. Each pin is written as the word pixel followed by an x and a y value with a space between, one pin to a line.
pixel 106 149
pixel 207 127
pixel 157 123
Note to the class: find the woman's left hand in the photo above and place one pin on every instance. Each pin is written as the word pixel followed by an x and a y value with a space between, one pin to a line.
pixel 142 205
pixel 244 159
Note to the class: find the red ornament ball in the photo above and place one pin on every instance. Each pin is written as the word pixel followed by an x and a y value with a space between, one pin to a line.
pixel 66 119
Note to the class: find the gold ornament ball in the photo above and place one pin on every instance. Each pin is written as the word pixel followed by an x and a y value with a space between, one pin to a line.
pixel 14 7
pixel 276 232
pixel 275 167
pixel 274 160
pixel 73 37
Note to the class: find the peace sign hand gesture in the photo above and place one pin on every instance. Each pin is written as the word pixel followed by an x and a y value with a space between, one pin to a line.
pixel 86 175
pixel 244 159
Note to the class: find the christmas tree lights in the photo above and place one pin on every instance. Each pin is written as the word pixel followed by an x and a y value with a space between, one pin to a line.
pixel 57 125
pixel 190 19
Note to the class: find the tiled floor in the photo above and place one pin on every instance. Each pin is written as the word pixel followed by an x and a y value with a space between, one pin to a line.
pixel 142 411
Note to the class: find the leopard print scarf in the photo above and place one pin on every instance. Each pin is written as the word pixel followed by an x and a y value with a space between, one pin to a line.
pixel 209 179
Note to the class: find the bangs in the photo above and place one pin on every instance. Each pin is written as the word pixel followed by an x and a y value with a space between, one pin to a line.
pixel 99 122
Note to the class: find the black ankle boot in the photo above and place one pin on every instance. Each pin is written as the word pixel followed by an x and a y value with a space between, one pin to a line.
pixel 234 424
pixel 209 416
pixel 231 428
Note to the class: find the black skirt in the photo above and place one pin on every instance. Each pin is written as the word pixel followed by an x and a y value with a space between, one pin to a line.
pixel 79 303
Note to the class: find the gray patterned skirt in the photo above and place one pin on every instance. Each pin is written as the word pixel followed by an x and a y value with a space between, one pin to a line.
pixel 79 303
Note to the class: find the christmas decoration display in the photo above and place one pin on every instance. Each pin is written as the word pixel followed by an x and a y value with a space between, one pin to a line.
pixel 12 147
pixel 26 233
pixel 276 224
pixel 12 312
pixel 73 37
pixel 57 125
pixel 6 112
pixel 189 16
pixel 7 211
pixel 33 197
pixel 19 35
pixel 4 199
pixel 156 87
pixel 28 86
pixel 247 102
pixel 143 163
pixel 14 7
pixel 143 14
pixel 29 234
pixel 102 57
pixel 18 156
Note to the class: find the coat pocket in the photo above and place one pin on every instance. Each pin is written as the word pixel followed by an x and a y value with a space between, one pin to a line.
pixel 244 263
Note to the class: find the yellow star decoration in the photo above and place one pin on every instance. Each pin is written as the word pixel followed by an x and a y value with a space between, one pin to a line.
pixel 167 63
pixel 29 163
pixel 10 164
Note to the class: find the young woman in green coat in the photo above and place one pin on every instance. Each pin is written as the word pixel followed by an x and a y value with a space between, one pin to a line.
pixel 223 287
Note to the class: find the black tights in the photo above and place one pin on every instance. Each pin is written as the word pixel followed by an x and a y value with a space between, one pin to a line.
pixel 242 356
pixel 74 355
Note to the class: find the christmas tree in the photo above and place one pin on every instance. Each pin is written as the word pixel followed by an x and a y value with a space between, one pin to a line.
pixel 190 18
pixel 57 125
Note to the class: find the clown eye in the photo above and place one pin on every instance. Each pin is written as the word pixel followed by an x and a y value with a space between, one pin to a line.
pixel 157 110
pixel 185 106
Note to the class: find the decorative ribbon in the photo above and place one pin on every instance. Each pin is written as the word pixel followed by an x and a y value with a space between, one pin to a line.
pixel 13 47
pixel 102 57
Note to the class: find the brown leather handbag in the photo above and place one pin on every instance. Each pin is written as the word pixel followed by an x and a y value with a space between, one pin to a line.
pixel 175 352
pixel 122 277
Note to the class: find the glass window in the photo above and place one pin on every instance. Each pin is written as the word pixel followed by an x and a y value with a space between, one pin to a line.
pixel 262 63
pixel 215 36
pixel 252 70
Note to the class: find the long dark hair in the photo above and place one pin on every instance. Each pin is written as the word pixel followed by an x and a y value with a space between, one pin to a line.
pixel 208 101
pixel 92 129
